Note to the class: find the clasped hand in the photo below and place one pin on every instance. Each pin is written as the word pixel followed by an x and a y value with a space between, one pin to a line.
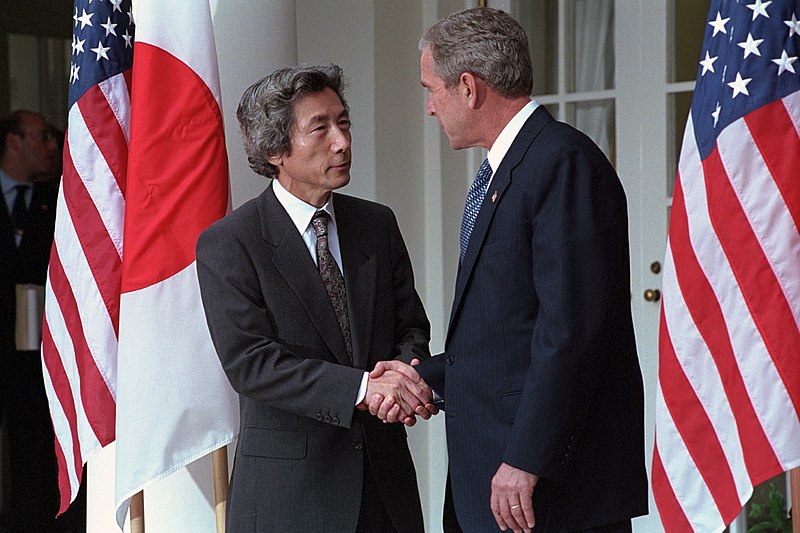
pixel 397 393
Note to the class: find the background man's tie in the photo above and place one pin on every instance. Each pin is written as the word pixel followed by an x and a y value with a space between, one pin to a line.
pixel 474 199
pixel 332 277
pixel 19 212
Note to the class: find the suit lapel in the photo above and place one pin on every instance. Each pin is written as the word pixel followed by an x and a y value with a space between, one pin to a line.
pixel 360 276
pixel 492 201
pixel 294 263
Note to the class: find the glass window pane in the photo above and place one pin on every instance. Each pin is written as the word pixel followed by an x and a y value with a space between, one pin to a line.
pixel 591 57
pixel 23 71
pixel 686 35
pixel 540 20
pixel 595 118
pixel 678 105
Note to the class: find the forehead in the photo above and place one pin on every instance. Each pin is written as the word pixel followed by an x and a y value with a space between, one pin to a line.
pixel 318 105
pixel 428 76
pixel 30 121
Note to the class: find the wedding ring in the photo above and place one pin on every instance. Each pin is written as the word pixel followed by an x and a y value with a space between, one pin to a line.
pixel 515 506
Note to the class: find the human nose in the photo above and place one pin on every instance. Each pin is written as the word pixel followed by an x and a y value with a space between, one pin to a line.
pixel 341 141
pixel 430 110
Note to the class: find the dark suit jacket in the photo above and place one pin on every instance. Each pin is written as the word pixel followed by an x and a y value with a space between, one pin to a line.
pixel 28 263
pixel 540 368
pixel 301 449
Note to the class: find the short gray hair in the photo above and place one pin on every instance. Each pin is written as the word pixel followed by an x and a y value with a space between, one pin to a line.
pixel 266 110
pixel 485 42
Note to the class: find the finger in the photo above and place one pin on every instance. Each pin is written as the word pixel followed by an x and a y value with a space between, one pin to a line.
pixel 375 404
pixel 393 415
pixel 385 407
pixel 414 362
pixel 494 504
pixel 379 369
pixel 529 519
pixel 518 517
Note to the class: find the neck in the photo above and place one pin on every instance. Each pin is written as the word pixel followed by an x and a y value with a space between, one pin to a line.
pixel 16 173
pixel 495 115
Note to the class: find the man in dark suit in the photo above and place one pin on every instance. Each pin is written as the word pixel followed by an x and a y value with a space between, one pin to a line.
pixel 304 291
pixel 540 378
pixel 27 219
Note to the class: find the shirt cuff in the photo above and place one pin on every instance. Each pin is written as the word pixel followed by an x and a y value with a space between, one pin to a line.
pixel 362 391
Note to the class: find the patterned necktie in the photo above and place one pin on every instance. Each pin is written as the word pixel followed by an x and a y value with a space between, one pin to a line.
pixel 19 211
pixel 332 277
pixel 474 199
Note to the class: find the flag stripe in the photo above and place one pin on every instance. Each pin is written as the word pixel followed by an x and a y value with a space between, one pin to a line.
pixel 103 126
pixel 762 292
pixel 696 429
pixel 707 317
pixel 102 256
pixel 681 472
pixel 94 392
pixel 670 511
pixel 60 384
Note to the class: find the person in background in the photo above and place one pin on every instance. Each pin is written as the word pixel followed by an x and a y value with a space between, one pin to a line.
pixel 28 149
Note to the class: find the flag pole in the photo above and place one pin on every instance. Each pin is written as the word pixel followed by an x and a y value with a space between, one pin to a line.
pixel 219 466
pixel 794 483
pixel 137 512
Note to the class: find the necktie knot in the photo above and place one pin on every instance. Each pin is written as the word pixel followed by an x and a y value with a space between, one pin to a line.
pixel 320 223
pixel 473 205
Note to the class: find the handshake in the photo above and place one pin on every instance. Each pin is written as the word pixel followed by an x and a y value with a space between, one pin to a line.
pixel 397 393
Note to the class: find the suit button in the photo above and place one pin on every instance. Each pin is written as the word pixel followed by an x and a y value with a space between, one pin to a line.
pixel 450 359
pixel 358 445
pixel 335 420
pixel 328 419
pixel 320 417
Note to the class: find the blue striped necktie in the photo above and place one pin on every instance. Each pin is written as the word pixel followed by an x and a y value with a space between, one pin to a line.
pixel 474 199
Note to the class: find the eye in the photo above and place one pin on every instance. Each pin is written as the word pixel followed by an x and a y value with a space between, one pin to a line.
pixel 345 123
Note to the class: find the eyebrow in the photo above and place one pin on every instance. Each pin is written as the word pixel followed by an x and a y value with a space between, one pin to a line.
pixel 322 117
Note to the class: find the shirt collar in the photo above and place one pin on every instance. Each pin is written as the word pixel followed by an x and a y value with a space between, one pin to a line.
pixel 503 142
pixel 8 183
pixel 299 211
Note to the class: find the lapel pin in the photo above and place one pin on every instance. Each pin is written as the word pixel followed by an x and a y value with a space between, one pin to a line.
pixel 494 196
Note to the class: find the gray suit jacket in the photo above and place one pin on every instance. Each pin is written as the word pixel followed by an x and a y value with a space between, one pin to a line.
pixel 300 456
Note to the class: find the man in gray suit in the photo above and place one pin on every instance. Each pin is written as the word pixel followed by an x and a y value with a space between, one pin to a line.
pixel 304 291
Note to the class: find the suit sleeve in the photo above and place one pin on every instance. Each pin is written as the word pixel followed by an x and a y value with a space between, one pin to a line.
pixel 580 274
pixel 257 363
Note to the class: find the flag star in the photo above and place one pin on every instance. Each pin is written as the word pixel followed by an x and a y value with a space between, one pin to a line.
pixel 739 85
pixel 130 16
pixel 127 38
pixel 109 27
pixel 75 17
pixel 708 64
pixel 101 51
pixel 75 77
pixel 116 5
pixel 751 45
pixel 794 25
pixel 759 8
pixel 719 24
pixel 715 114
pixel 79 46
pixel 785 63
pixel 85 19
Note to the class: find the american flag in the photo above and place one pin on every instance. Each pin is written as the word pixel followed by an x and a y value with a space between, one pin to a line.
pixel 729 346
pixel 81 323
